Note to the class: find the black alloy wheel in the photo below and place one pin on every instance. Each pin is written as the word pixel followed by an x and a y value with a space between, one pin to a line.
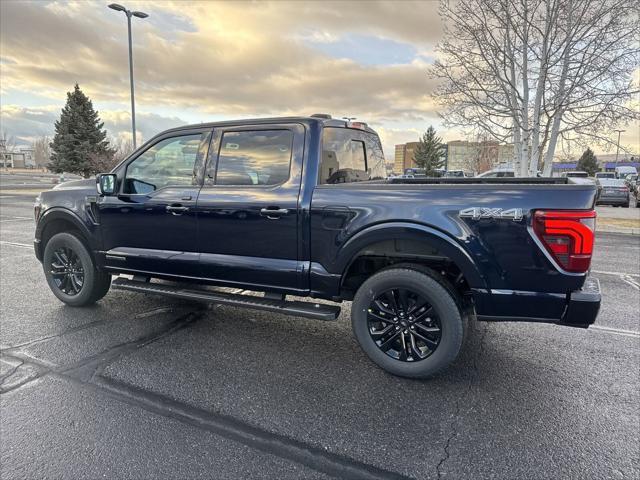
pixel 404 325
pixel 67 271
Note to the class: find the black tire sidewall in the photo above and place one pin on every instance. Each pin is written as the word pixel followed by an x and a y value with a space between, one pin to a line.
pixel 440 298
pixel 68 240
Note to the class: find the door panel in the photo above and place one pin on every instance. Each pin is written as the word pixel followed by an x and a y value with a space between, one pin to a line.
pixel 151 225
pixel 248 231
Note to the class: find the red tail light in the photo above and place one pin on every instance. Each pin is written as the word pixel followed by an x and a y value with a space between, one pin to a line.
pixel 568 237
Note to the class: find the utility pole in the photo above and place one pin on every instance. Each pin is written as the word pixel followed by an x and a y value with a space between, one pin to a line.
pixel 618 145
pixel 129 14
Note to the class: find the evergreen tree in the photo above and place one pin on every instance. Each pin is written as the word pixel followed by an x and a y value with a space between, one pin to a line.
pixel 588 162
pixel 79 137
pixel 428 153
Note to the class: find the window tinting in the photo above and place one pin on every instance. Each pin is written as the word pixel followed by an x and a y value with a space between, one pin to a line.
pixel 350 155
pixel 260 157
pixel 169 162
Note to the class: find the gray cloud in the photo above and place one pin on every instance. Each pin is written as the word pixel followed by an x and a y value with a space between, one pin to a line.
pixel 243 58
pixel 28 123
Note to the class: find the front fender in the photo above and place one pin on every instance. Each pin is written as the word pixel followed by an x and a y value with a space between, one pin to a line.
pixel 60 213
pixel 410 231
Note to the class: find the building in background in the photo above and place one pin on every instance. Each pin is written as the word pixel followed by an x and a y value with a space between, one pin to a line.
pixel 405 157
pixel 17 158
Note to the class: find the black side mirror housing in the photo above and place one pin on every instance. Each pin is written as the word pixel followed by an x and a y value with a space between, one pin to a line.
pixel 106 184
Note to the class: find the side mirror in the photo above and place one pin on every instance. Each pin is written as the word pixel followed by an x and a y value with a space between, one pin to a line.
pixel 106 184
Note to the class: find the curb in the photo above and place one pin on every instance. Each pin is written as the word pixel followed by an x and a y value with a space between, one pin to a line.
pixel 628 231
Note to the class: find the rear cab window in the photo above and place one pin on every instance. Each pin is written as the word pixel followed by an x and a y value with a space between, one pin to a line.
pixel 350 155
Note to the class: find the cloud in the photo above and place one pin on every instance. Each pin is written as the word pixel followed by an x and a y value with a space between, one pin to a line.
pixel 29 123
pixel 228 58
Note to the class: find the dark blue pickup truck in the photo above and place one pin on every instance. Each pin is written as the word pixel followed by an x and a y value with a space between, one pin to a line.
pixel 300 206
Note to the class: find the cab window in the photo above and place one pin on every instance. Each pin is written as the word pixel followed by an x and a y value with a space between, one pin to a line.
pixel 260 157
pixel 170 162
pixel 349 155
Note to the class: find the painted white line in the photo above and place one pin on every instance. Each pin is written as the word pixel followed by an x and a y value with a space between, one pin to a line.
pixel 16 220
pixel 619 274
pixel 15 244
pixel 627 279
pixel 615 331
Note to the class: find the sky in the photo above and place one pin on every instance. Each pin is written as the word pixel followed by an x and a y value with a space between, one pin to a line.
pixel 206 61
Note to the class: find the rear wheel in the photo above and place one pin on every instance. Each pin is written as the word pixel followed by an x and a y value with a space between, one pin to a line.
pixel 71 272
pixel 408 322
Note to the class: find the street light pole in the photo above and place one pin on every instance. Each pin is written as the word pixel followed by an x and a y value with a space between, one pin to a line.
pixel 133 102
pixel 618 145
pixel 129 14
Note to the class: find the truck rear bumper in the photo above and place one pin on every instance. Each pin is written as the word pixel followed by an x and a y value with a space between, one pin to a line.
pixel 584 305
pixel 577 309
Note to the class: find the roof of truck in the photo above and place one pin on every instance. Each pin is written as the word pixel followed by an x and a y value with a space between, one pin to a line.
pixel 326 122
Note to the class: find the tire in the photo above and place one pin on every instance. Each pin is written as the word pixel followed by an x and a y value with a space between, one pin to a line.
pixel 71 272
pixel 423 287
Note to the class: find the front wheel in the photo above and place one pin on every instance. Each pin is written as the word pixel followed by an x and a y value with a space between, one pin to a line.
pixel 408 322
pixel 71 273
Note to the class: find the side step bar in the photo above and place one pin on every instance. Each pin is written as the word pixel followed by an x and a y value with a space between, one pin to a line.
pixel 317 311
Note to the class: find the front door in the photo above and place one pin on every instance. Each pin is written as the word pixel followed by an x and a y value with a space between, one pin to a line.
pixel 248 217
pixel 150 226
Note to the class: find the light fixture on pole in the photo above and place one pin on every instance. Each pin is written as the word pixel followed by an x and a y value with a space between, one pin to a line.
pixel 129 14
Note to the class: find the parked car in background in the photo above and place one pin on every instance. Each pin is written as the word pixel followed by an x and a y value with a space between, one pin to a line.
pixel 605 175
pixel 630 180
pixel 575 174
pixel 622 172
pixel 613 191
pixel 498 173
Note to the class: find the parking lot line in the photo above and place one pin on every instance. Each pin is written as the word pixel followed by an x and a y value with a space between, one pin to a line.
pixel 15 220
pixel 16 244
pixel 616 331
pixel 619 274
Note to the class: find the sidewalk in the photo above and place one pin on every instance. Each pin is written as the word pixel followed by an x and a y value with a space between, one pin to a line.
pixel 619 220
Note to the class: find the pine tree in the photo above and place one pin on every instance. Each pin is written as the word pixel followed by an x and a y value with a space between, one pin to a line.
pixel 79 137
pixel 588 163
pixel 428 153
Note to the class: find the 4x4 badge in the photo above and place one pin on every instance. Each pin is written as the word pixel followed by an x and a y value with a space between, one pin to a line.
pixel 477 213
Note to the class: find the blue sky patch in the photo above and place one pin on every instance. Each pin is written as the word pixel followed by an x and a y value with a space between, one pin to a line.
pixel 366 49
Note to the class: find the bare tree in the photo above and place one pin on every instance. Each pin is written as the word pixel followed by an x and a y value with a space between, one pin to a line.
pixel 42 151
pixel 123 148
pixel 534 71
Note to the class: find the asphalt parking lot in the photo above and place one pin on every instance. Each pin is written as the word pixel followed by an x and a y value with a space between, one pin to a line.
pixel 147 387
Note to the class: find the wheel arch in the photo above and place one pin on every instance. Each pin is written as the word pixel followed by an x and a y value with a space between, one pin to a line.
pixel 57 220
pixel 405 241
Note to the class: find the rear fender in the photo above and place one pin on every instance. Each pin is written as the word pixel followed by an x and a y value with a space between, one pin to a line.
pixel 414 232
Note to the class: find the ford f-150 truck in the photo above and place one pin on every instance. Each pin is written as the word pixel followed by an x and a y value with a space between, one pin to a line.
pixel 300 207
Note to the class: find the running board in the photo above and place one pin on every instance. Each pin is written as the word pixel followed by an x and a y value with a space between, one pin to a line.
pixel 317 311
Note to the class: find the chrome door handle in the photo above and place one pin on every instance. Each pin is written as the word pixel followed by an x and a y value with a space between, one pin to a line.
pixel 273 213
pixel 176 209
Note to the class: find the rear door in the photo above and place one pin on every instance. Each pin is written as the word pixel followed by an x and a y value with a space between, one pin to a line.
pixel 248 211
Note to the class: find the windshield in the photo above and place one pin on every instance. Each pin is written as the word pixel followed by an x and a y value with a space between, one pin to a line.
pixel 605 175
pixel 577 174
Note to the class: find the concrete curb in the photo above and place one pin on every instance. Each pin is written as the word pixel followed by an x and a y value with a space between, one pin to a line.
pixel 608 229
